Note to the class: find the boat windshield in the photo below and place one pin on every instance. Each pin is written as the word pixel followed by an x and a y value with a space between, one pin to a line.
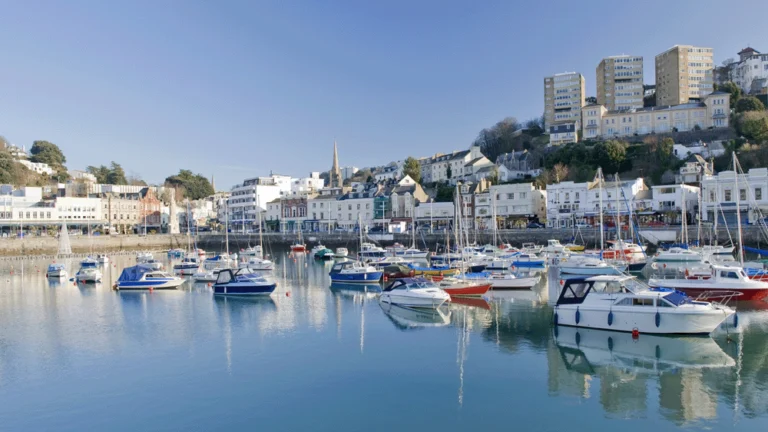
pixel 224 277
pixel 609 287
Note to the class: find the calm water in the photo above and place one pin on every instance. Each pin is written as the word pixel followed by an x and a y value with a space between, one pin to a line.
pixel 315 357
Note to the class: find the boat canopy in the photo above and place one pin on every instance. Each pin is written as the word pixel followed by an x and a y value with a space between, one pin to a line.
pixel 677 298
pixel 133 274
pixel 57 266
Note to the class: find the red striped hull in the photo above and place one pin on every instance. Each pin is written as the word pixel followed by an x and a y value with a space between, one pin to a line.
pixel 471 290
pixel 746 295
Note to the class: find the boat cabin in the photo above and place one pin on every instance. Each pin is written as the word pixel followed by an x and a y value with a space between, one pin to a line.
pixel 238 275
pixel 409 283
pixel 620 291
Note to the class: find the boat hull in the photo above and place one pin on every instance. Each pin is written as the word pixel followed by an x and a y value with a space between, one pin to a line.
pixel 413 301
pixel 516 283
pixel 367 277
pixel 149 284
pixel 695 288
pixel 643 321
pixel 244 289
pixel 467 291
pixel 590 271
pixel 435 272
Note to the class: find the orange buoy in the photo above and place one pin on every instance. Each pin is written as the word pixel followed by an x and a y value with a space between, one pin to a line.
pixel 288 294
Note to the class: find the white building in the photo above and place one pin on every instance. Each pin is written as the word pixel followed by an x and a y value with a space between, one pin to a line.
pixel 567 203
pixel 82 175
pixel 322 209
pixel 719 196
pixel 750 73
pixel 38 167
pixel 518 203
pixel 563 133
pixel 353 208
pixel 252 196
pixel 707 151
pixel 391 172
pixel 570 203
pixel 670 200
pixel 435 214
pixel 307 185
pixel 348 172
pixel 85 210
pixel 442 168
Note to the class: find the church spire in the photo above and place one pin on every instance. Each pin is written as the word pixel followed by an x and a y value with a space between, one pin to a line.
pixel 334 179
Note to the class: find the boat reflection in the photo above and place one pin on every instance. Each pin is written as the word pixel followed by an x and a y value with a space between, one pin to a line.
pixel 236 306
pixel 412 318
pixel 472 302
pixel 355 290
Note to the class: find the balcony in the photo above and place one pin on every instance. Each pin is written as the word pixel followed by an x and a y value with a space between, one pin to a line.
pixel 591 126
pixel 719 116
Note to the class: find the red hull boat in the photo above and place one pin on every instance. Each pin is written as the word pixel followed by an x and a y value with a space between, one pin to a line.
pixel 464 289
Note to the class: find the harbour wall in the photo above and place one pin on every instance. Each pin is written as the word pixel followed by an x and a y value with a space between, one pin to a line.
pixel 591 237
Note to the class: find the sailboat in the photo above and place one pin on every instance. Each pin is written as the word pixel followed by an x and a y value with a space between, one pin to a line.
pixel 258 262
pixel 191 263
pixel 58 270
pixel 299 246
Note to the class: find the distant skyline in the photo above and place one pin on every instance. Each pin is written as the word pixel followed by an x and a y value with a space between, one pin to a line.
pixel 237 89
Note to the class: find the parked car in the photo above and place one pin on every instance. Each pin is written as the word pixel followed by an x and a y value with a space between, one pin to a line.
pixel 583 225
pixel 535 225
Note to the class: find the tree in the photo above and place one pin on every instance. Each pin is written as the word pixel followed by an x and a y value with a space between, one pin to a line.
pixel 195 186
pixel 444 193
pixel 46 152
pixel 733 89
pixel 749 103
pixel 753 125
pixel 493 178
pixel 609 155
pixel 412 168
pixel 665 149
pixel 8 168
pixel 498 139
pixel 116 175
pixel 4 142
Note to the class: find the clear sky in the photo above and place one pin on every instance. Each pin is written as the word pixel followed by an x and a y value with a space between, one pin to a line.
pixel 239 88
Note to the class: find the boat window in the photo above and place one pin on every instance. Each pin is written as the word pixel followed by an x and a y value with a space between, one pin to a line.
pixel 642 302
pixel 576 290
pixel 677 298
pixel 624 302
pixel 664 303
pixel 337 267
pixel 729 275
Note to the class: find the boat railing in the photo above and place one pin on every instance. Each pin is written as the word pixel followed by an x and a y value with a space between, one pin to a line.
pixel 718 297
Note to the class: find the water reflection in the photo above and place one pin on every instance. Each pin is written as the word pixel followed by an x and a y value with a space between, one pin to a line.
pixel 310 329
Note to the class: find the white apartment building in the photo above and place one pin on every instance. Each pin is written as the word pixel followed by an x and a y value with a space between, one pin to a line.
pixel 564 95
pixel 322 210
pixel 563 133
pixel 750 73
pixel 712 112
pixel 252 196
pixel 435 214
pixel 273 214
pixel 82 175
pixel 351 209
pixel 80 209
pixel 719 196
pixel 683 72
pixel 518 203
pixel 620 82
pixel 567 204
pixel 391 172
pixel 38 167
pixel 348 172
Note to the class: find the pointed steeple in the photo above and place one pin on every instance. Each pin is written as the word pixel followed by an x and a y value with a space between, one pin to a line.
pixel 335 174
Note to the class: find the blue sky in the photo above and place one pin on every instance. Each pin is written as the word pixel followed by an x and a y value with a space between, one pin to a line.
pixel 239 88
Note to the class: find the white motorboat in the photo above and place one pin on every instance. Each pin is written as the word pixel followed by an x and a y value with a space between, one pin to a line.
pixel 715 281
pixel 581 265
pixel 143 256
pixel 153 264
pixel 189 265
pixel 678 254
pixel 341 252
pixel 56 270
pixel 371 251
pixel 512 281
pixel 554 248
pixel 258 264
pixel 88 275
pixel 714 250
pixel 139 277
pixel 102 259
pixel 217 262
pixel 205 276
pixel 252 251
pixel 621 303
pixel 414 292
pixel 318 247
pixel 532 248
pixel 388 261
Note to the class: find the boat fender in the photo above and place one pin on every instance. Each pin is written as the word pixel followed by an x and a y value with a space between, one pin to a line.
pixel 735 320
pixel 658 319
pixel 578 315
pixel 556 317
pixel 635 333
pixel 658 352
pixel 610 318
pixel 610 344
pixel 578 338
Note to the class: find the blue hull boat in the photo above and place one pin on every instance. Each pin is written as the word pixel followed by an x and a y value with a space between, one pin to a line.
pixel 354 272
pixel 242 283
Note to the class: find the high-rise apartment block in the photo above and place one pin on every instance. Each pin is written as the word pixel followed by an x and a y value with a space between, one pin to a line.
pixel 683 72
pixel 563 99
pixel 620 82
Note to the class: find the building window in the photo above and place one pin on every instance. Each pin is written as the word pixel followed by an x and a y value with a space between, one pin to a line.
pixel 743 194
pixel 727 195
pixel 758 193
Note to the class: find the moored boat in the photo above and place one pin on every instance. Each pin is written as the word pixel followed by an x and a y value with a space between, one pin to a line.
pixel 717 280
pixel 621 303
pixel 678 254
pixel 354 272
pixel 414 292
pixel 139 277
pixel 56 270
pixel 342 252
pixel 581 265
pixel 188 265
pixel 242 283
pixel 464 287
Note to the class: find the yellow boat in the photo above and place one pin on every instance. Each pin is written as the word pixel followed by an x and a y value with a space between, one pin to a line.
pixel 574 247
pixel 435 272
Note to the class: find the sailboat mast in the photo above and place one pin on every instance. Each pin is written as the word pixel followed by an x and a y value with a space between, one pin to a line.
pixel 738 210
pixel 226 227
pixel 683 225
pixel 600 196
pixel 618 214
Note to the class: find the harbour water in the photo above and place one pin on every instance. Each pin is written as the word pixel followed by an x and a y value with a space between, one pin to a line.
pixel 320 357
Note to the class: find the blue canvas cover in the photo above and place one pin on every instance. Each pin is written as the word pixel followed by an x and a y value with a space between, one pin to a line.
pixel 133 274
